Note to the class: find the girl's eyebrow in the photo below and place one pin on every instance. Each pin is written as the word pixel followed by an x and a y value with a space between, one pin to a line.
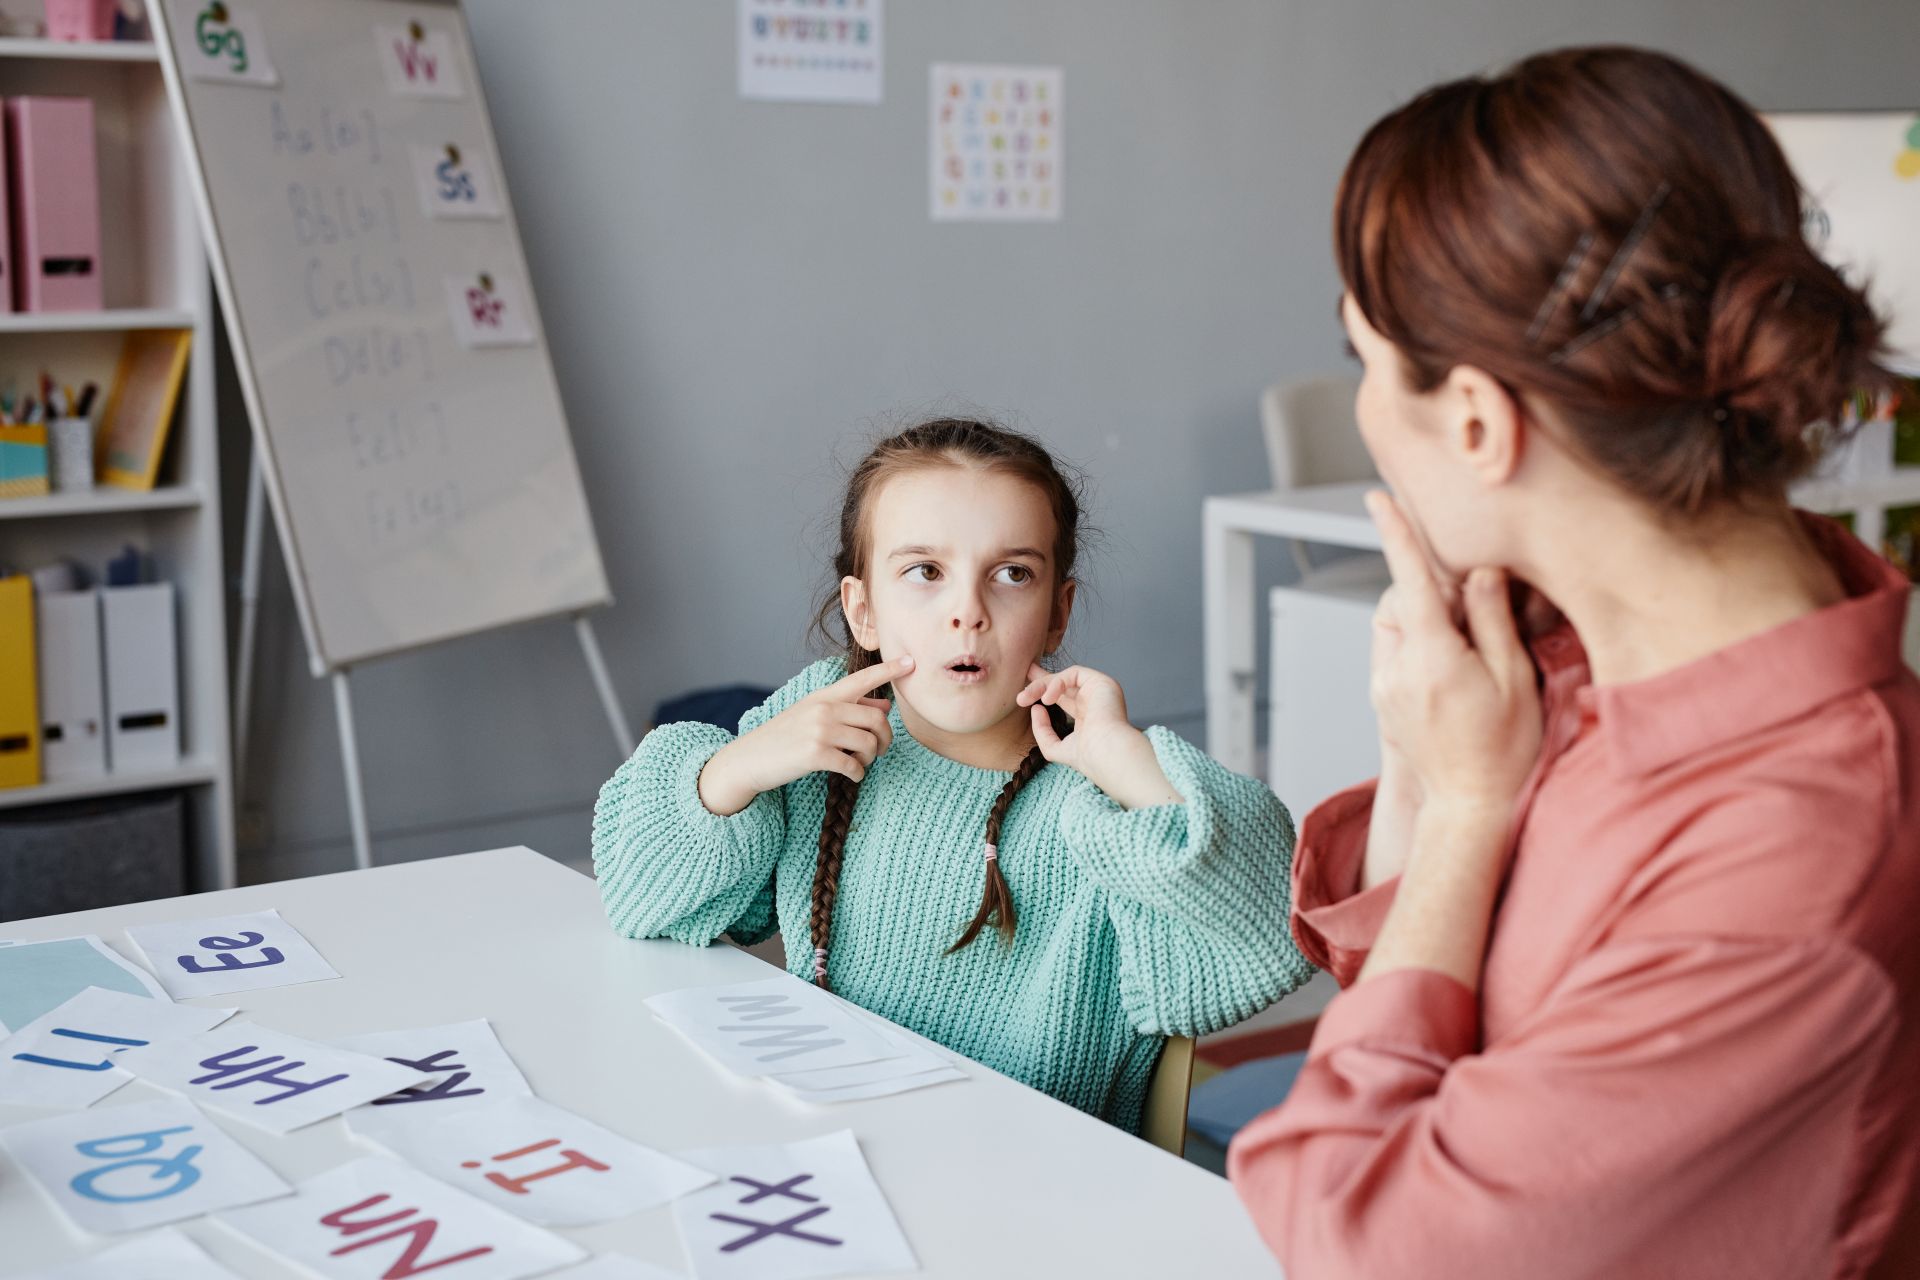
pixel 1011 553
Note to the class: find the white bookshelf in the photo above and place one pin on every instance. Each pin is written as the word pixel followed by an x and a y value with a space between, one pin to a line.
pixel 155 273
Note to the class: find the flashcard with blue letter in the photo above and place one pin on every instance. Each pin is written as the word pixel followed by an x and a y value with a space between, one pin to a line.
pixel 377 1218
pixel 222 41
pixel 788 1212
pixel 38 977
pixel 772 1025
pixel 544 1163
pixel 123 1168
pixel 229 953
pixel 166 1254
pixel 469 1068
pixel 269 1079
pixel 455 182
pixel 70 1057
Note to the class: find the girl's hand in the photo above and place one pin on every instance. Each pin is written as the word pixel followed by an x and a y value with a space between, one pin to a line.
pixel 1104 746
pixel 1458 708
pixel 838 729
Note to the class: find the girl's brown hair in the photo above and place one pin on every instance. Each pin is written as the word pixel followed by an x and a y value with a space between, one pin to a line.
pixel 1617 235
pixel 951 442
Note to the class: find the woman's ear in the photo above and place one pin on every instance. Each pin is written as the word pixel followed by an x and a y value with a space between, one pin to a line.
pixel 1486 426
pixel 1062 611
pixel 859 613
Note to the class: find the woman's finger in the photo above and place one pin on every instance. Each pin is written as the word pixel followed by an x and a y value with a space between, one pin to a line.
pixel 1421 598
pixel 1490 623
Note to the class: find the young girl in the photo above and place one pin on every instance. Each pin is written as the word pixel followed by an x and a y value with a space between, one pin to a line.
pixel 1051 900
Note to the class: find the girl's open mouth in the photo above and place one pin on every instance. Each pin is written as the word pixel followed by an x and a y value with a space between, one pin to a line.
pixel 967 669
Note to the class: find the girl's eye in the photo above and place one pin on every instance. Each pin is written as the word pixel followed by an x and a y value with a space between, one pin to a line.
pixel 921 573
pixel 1014 574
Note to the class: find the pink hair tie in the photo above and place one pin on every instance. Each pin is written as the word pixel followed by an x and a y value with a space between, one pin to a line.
pixel 993 851
pixel 819 962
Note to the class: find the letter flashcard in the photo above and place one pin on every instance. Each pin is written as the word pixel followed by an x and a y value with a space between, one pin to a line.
pixel 122 1168
pixel 468 1066
pixel 221 41
pixel 69 1057
pixel 768 1026
pixel 420 61
pixel 376 1218
pixel 229 953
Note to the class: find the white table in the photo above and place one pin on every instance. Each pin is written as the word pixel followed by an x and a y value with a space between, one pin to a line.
pixel 985 1175
pixel 1331 514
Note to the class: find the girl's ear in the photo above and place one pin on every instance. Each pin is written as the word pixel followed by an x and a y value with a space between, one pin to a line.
pixel 859 613
pixel 1062 611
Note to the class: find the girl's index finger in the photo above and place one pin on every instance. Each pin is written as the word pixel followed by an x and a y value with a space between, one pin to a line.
pixel 1420 595
pixel 856 686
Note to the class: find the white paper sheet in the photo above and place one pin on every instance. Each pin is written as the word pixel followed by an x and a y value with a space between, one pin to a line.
pixel 996 146
pixel 68 1057
pixel 544 1163
pixel 774 1025
pixel 810 52
pixel 272 1080
pixel 455 182
pixel 121 1168
pixel 166 1254
pixel 466 1060
pixel 213 957
pixel 233 51
pixel 488 310
pixel 421 60
pixel 376 1216
pixel 38 977
pixel 616 1266
pixel 790 1211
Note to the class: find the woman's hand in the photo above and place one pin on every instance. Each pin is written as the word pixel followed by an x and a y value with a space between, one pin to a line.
pixel 1459 709
pixel 838 729
pixel 1104 746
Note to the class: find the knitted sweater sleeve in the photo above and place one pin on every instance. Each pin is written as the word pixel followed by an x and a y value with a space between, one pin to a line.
pixel 1198 893
pixel 670 868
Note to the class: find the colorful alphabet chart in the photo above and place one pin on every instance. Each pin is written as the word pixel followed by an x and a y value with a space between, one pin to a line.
pixel 268 1078
pixel 996 144
pixel 229 44
pixel 421 60
pixel 779 1024
pixel 37 977
pixel 122 1168
pixel 68 1057
pixel 165 1254
pixel 374 1218
pixel 810 50
pixel 544 1163
pixel 790 1211
pixel 466 1063
pixel 229 953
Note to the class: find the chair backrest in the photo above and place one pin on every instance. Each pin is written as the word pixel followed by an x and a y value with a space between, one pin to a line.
pixel 1164 1121
pixel 1311 434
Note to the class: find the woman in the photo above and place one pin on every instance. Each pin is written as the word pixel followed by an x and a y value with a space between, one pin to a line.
pixel 1630 924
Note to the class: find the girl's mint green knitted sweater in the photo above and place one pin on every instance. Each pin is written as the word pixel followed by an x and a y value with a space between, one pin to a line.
pixel 1133 926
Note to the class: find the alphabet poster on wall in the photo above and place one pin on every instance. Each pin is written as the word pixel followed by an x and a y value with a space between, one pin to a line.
pixel 810 50
pixel 229 953
pixel 114 1169
pixel 996 143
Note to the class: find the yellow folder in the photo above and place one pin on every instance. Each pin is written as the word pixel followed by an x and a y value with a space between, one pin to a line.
pixel 19 686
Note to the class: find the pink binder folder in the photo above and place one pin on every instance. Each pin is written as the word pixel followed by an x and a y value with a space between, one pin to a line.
pixel 56 204
pixel 6 231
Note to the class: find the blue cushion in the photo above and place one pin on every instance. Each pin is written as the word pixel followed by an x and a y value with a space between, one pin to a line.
pixel 1221 1106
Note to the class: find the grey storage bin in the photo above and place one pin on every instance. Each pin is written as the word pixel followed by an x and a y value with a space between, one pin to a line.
pixel 92 853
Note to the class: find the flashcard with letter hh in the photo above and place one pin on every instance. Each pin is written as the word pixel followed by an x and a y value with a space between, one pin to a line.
pixel 269 1079
pixel 544 1163
pixel 224 42
pixel 421 60
pixel 165 1254
pixel 488 310
pixel 248 952
pixel 374 1218
pixel 788 1212
pixel 123 1168
pixel 69 1057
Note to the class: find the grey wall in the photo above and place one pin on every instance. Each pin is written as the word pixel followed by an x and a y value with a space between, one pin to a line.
pixel 737 293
